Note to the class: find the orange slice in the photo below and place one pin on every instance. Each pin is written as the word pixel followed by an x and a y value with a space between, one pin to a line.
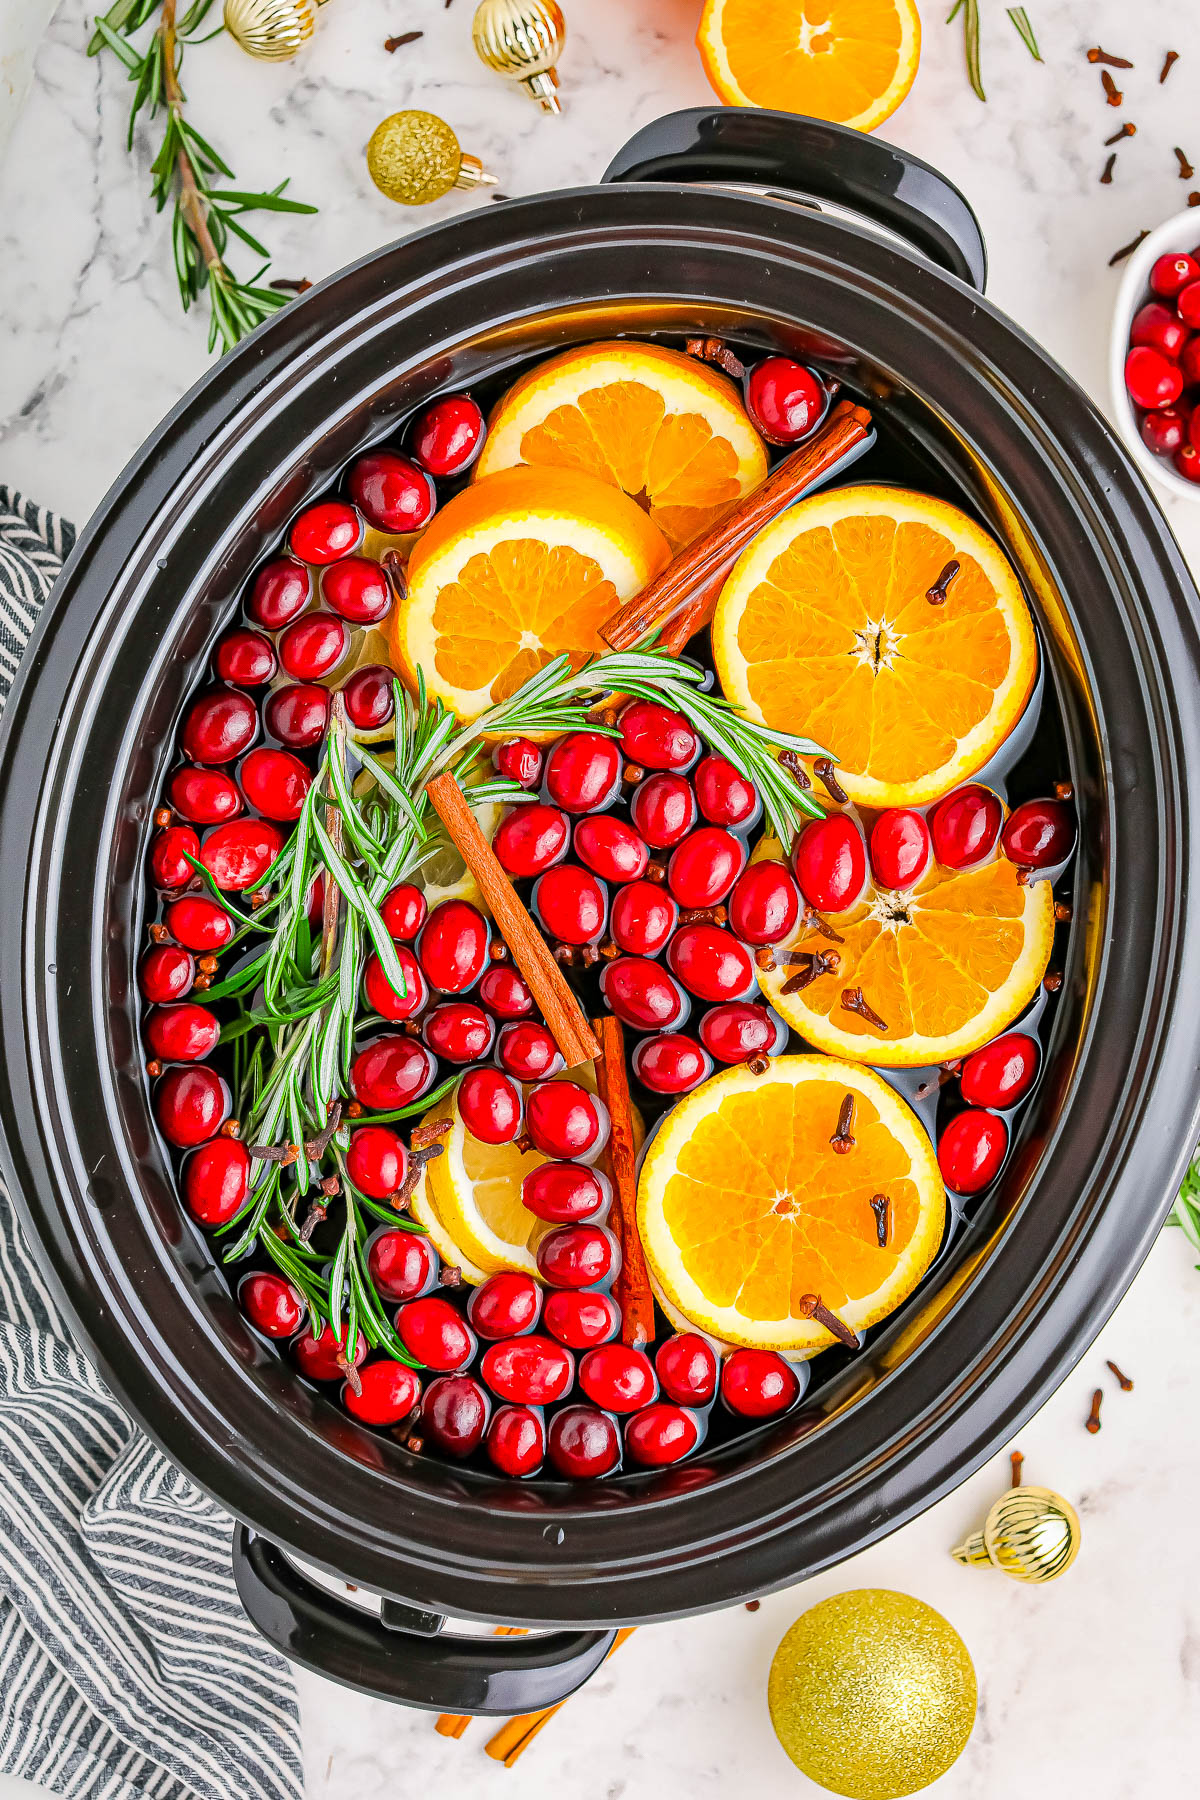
pixel 852 61
pixel 825 626
pixel 510 573
pixel 667 429
pixel 745 1208
pixel 946 967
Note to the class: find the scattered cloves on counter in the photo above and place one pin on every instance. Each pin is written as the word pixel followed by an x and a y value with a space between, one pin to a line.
pixel 1127 249
pixel 1097 55
pixel 1169 61
pixel 1106 177
pixel 1092 1422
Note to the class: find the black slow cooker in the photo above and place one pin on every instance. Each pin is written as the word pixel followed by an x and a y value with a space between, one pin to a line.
pixel 782 232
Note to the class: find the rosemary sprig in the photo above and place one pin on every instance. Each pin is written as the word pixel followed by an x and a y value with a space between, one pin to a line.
pixel 1024 30
pixel 1186 1211
pixel 970 12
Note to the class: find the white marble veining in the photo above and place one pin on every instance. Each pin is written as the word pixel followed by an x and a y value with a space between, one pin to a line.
pixel 1090 1688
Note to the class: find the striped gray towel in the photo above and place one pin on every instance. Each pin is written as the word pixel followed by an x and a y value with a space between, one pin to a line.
pixel 128 1670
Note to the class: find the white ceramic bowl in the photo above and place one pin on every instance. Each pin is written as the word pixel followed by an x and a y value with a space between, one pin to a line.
pixel 1179 233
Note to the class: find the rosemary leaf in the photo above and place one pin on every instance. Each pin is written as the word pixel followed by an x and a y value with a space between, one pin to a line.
pixel 1024 29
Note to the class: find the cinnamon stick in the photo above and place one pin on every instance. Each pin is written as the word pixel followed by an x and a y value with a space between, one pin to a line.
pixel 631 1289
pixel 563 1014
pixel 681 598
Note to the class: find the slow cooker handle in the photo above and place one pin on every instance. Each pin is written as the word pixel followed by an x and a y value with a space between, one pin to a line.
pixel 406 1660
pixel 813 160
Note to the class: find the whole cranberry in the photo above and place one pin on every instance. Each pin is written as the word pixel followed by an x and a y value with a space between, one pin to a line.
pixel 563 1119
pixel 533 1370
pixel 965 826
pixel 1160 328
pixel 710 963
pixel 182 1032
pixel 272 1305
pixel 458 1031
pixel 1187 300
pixel 1163 431
pixel 204 796
pixel 765 903
pixel 971 1150
pixel 219 726
pixel 191 1104
pixel 1186 462
pixel 325 532
pixel 519 760
pixel 323 1358
pixel 1172 272
pixel 377 1161
pixel 657 737
pixel 565 1193
pixel 583 771
pixel 391 492
pixel 281 589
pixel 723 794
pixel 1002 1072
pixel 583 1443
pixel 389 1001
pixel 671 1063
pixel 661 1434
pixel 516 1440
pixel 664 809
pixel 643 917
pixel 530 838
pixel 738 1030
pixel 577 1256
pixel 391 1072
pixel 402 1265
pixel 570 903
pixel 756 1384
pixel 403 912
pixel 314 645
pixel 830 860
pixel 489 1105
pixel 686 1365
pixel 238 855
pixel 1152 378
pixel 527 1051
pixel 901 847
pixel 275 783
pixel 579 1319
pixel 617 1378
pixel 198 923
pixel 166 973
pixel 370 697
pixel 705 866
pixel 611 848
pixel 356 590
pixel 432 1331
pixel 1039 833
pixel 784 399
pixel 454 1414
pixel 169 853
pixel 246 657
pixel 448 436
pixel 505 1305
pixel 216 1180
pixel 453 946
pixel 298 715
pixel 642 995
pixel 387 1392
pixel 505 993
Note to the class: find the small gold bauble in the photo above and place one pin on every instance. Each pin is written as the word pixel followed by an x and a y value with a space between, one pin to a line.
pixel 272 30
pixel 523 39
pixel 414 157
pixel 1031 1533
pixel 872 1694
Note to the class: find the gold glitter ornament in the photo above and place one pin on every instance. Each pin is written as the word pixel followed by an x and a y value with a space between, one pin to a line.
pixel 1031 1533
pixel 523 39
pixel 872 1694
pixel 272 30
pixel 414 157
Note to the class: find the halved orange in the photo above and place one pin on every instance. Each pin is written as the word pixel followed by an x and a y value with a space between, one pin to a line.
pixel 667 429
pixel 745 1208
pixel 511 572
pixel 946 967
pixel 851 61
pixel 888 626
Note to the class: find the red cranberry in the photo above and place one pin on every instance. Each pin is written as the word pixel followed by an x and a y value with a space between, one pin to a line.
pixel 391 492
pixel 219 726
pixel 785 400
pixel 530 838
pixel 527 1050
pixel 216 1180
pixel 657 737
pixel 724 795
pixel 459 1032
pixel 271 1304
pixel 642 995
pixel 1188 302
pixel 370 697
pixel 322 1358
pixel 489 1105
pixel 453 946
pixel 516 1440
pixel 580 1320
pixel 448 435
pixel 454 1414
pixel 971 1150
pixel 643 917
pixel 1039 833
pixel 387 1392
pixel 402 1264
pixel 710 963
pixel 275 783
pixel 664 809
pixel 519 760
pixel 182 1033
pixel 377 1161
pixel 611 848
pixel 965 826
pixel 312 646
pixel 506 993
pixel 739 1030
pixel 192 1104
pixel 758 1383
pixel 239 854
pixel 617 1378
pixel 282 588
pixel 687 1367
pixel 765 903
pixel 583 771
pixel 1163 431
pixel 533 1370
pixel 403 912
pixel 433 1332
pixel 672 1063
pixel 571 904
pixel 355 589
pixel 1189 361
pixel 565 1193
pixel 383 998
pixel 167 973
pixel 577 1256
pixel 391 1072
pixel 505 1305
pixel 169 853
pixel 246 657
pixel 583 1443
pixel 1152 378
pixel 901 847
pixel 1157 326
pixel 830 860
pixel 325 532
pixel 204 796
pixel 563 1119
pixel 661 1434
pixel 1002 1072
pixel 1173 272
pixel 705 866
pixel 198 922
pixel 298 715
pixel 1186 462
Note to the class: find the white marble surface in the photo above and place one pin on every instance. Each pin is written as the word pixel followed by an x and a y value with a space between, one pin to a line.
pixel 1090 1688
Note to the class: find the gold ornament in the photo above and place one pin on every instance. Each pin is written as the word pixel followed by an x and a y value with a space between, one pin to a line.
pixel 872 1694
pixel 272 30
pixel 1030 1533
pixel 523 39
pixel 414 157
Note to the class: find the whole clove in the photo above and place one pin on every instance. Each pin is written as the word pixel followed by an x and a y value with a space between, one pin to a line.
pixel 404 37
pixel 714 350
pixel 789 760
pixel 1103 56
pixel 936 595
pixel 1169 61
pixel 1106 177
pixel 854 1000
pixel 1123 1381
pixel 1186 170
pixel 1126 130
pixel 824 768
pixel 881 1206
pixel 1092 1422
pixel 1112 92
pixel 842 1140
pixel 1017 1461
pixel 811 1306
pixel 286 286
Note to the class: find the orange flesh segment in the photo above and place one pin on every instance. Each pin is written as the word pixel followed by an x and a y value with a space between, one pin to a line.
pixel 829 58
